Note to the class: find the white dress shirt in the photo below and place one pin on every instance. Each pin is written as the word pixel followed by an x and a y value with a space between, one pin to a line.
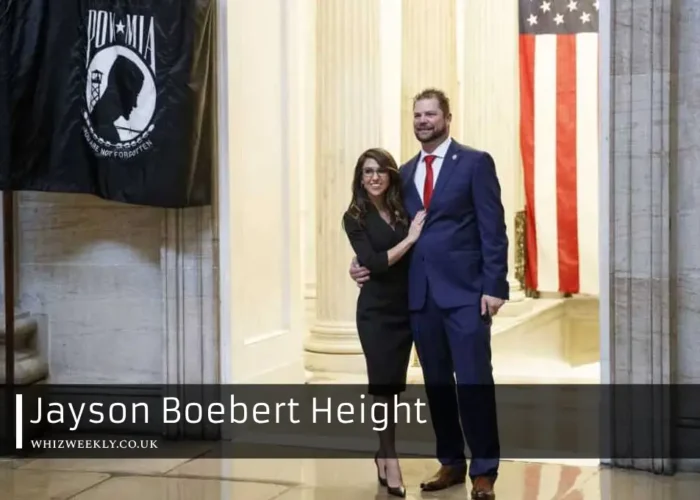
pixel 439 153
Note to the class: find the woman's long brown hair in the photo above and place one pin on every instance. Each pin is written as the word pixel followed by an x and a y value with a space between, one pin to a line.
pixel 393 196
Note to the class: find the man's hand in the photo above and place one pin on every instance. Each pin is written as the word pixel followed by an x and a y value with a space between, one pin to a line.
pixel 358 273
pixel 491 304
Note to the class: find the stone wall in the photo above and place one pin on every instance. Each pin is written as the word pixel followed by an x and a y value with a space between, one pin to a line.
pixel 686 185
pixel 685 222
pixel 93 268
pixel 122 288
pixel 655 194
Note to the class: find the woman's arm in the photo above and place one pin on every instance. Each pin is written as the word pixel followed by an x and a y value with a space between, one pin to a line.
pixel 376 262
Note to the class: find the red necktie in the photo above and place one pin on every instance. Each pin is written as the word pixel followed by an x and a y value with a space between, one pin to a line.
pixel 428 185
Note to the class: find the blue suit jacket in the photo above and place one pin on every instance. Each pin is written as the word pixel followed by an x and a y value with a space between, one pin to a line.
pixel 463 249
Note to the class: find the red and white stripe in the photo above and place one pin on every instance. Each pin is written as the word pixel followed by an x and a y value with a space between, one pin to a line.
pixel 559 141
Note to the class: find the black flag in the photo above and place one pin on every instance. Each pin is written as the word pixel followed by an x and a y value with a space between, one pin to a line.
pixel 5 16
pixel 112 98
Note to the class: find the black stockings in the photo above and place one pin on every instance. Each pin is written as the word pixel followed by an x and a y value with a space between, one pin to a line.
pixel 387 437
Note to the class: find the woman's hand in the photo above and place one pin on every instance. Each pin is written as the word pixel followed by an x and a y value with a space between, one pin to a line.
pixel 416 226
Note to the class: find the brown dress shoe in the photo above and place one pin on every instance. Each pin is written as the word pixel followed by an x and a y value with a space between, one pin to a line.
pixel 445 477
pixel 482 488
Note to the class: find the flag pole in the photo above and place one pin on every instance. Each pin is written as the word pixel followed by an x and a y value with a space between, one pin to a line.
pixel 8 230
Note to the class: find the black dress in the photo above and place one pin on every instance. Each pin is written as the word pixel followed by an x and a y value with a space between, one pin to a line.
pixel 382 315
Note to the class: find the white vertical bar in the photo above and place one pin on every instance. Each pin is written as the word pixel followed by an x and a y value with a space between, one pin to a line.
pixel 19 422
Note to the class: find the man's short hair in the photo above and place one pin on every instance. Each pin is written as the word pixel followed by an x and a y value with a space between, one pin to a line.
pixel 433 93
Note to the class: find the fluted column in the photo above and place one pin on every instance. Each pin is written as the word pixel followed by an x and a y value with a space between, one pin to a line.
pixel 348 122
pixel 639 164
pixel 429 59
pixel 490 99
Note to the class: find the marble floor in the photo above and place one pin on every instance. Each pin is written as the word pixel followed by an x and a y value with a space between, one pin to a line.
pixel 333 479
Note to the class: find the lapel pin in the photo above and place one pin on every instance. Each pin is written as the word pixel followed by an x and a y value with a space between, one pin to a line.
pixel 454 157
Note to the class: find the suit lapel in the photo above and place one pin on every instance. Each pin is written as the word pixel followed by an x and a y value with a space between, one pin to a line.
pixel 448 167
pixel 410 191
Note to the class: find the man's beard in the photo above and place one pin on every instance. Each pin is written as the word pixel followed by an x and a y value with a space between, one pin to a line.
pixel 436 134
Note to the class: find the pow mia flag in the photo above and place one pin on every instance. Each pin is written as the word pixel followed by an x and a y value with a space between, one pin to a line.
pixel 112 98
pixel 4 85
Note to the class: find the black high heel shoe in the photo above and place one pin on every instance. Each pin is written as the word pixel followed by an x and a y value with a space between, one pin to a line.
pixel 382 480
pixel 397 491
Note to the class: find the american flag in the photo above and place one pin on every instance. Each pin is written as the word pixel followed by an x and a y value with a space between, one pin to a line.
pixel 559 143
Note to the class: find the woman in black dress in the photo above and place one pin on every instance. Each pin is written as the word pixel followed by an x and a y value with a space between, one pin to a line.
pixel 379 232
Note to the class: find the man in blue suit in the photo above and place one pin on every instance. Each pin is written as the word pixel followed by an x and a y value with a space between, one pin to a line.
pixel 457 283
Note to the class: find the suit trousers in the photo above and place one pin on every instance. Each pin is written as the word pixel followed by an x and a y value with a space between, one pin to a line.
pixel 456 343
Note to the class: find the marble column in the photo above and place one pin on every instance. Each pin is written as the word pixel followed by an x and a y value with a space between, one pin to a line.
pixel 348 99
pixel 638 162
pixel 685 232
pixel 304 112
pixel 489 104
pixel 429 59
